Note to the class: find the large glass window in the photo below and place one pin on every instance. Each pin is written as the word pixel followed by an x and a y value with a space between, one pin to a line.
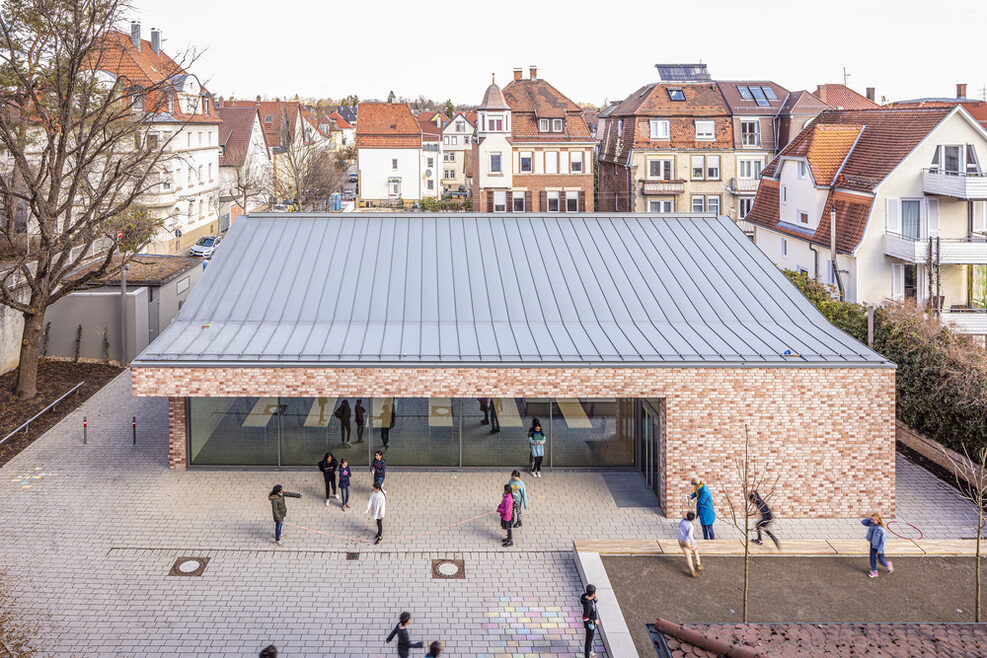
pixel 415 431
pixel 311 427
pixel 495 430
pixel 242 431
pixel 592 432
pixel 910 219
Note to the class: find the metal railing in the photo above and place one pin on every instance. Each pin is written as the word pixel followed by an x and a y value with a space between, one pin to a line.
pixel 27 425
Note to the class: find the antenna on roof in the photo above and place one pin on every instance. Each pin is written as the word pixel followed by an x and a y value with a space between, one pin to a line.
pixel 845 76
pixel 493 78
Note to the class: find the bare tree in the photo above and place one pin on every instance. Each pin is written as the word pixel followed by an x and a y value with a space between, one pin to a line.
pixel 971 480
pixel 250 180
pixel 312 172
pixel 82 153
pixel 753 480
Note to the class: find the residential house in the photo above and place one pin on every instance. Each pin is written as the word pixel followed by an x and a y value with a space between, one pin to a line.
pixel 533 150
pixel 188 196
pixel 389 155
pixel 245 169
pixel 457 139
pixel 601 123
pixel 976 108
pixel 841 97
pixel 431 126
pixel 903 194
pixel 347 131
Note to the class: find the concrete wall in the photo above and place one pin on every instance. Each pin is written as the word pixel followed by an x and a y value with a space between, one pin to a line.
pixel 95 310
pixel 11 329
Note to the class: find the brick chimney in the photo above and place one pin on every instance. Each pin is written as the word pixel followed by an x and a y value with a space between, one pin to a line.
pixel 533 72
pixel 871 93
pixel 135 34
pixel 156 40
pixel 518 73
pixel 961 90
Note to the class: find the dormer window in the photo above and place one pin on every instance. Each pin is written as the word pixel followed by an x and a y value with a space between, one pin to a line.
pixel 620 127
pixel 556 125
pixel 268 118
pixel 543 125
pixel 676 94
pixel 803 170
pixel 495 123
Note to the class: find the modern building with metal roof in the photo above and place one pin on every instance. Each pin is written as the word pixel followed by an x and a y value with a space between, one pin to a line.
pixel 426 333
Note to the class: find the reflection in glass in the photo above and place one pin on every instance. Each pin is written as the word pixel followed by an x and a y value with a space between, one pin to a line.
pixel 415 431
pixel 226 431
pixel 495 430
pixel 311 427
pixel 592 432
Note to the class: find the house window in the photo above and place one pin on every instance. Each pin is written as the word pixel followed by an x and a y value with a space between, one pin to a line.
pixel 662 206
pixel 745 92
pixel 951 159
pixel 911 210
pixel 784 193
pixel 551 162
pixel 784 248
pixel 188 139
pixel 430 184
pixel 576 162
pixel 750 132
pixel 556 125
pixel 676 94
pixel 553 201
pixel 713 204
pixel 698 203
pixel 803 218
pixel 460 126
pixel 495 123
pixel 526 159
pixel 500 201
pixel 572 201
pixel 746 203
pixel 445 139
pixel 802 170
pixel 394 163
pixel 455 140
pixel 705 130
pixel 712 167
pixel 518 200
pixel 660 169
pixel 200 139
pixel 201 206
pixel 972 165
pixel 201 179
pixel 659 128
pixel 431 163
pixel 268 118
pixel 152 141
pixel 620 127
pixel 543 125
pixel 448 173
pixel 495 163
pixel 749 168
pixel 210 171
pixel 698 167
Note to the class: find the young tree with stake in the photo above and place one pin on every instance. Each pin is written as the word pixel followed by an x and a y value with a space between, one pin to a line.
pixel 971 479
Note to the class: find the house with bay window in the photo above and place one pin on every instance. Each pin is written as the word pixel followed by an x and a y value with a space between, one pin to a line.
pixel 903 195
pixel 533 151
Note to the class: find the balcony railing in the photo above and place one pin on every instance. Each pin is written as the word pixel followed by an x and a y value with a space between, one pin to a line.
pixel 971 250
pixel 966 320
pixel 959 185
pixel 662 187
pixel 743 185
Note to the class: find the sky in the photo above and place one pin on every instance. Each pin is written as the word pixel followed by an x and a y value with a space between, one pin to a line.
pixel 590 51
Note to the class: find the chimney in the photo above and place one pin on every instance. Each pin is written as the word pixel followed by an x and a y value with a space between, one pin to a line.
pixel 156 40
pixel 961 90
pixel 135 34
pixel 517 74
pixel 533 72
pixel 871 93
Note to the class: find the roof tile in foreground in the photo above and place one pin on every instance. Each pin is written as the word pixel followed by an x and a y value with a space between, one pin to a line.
pixel 510 289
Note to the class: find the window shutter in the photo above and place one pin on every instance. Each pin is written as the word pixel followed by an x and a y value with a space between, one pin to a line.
pixel 897 281
pixel 527 201
pixel 543 201
pixel 932 217
pixel 582 202
pixel 893 216
pixel 489 207
pixel 510 201
pixel 979 216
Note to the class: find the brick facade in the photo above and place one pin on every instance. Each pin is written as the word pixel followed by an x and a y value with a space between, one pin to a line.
pixel 826 433
pixel 535 187
pixel 176 433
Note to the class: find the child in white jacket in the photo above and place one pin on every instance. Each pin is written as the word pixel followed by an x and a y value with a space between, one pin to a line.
pixel 375 506
pixel 687 542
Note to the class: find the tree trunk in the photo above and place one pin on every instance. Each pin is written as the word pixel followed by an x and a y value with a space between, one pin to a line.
pixel 27 372
pixel 980 532
pixel 747 560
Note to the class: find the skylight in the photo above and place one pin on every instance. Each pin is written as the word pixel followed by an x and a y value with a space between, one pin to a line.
pixel 759 96
pixel 745 93
pixel 676 94
pixel 770 93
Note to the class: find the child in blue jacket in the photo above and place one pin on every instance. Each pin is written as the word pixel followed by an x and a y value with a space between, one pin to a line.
pixel 876 536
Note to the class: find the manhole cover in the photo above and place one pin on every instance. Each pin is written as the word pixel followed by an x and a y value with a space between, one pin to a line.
pixel 189 566
pixel 448 569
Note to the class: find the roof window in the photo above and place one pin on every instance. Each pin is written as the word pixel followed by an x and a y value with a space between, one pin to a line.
pixel 759 96
pixel 745 93
pixel 769 92
pixel 676 94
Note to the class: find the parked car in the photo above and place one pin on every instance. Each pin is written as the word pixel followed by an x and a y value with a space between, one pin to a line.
pixel 205 246
pixel 353 178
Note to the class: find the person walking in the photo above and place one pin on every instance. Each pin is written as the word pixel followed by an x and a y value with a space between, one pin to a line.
pixel 378 468
pixel 434 650
pixel 388 412
pixel 704 507
pixel 344 484
pixel 328 467
pixel 485 408
pixel 279 509
pixel 590 619
pixel 494 421
pixel 766 518
pixel 404 640
pixel 506 511
pixel 375 507
pixel 876 537
pixel 361 419
pixel 343 414
pixel 536 439
pixel 520 497
pixel 687 542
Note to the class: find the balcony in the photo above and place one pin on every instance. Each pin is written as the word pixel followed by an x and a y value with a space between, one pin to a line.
pixel 954 184
pixel 745 186
pixel 971 250
pixel 966 320
pixel 662 187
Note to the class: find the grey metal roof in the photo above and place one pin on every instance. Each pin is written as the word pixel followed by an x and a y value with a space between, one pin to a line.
pixel 504 289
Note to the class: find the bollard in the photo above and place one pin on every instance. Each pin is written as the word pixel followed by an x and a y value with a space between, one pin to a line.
pixel 134 426
pixel 85 423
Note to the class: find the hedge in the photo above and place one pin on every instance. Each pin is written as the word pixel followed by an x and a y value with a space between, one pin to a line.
pixel 942 375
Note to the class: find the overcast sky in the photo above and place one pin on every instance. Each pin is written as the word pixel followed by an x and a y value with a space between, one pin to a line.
pixel 591 51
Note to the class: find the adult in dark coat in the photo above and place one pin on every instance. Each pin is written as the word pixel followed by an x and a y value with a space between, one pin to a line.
pixel 343 414
pixel 404 640
pixel 328 467
pixel 361 420
pixel 279 509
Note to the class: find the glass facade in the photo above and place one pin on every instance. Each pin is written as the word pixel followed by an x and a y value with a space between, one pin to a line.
pixel 440 432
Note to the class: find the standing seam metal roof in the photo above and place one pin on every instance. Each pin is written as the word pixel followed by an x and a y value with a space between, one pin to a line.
pixel 508 289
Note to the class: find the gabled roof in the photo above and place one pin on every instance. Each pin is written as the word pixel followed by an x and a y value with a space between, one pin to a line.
pixel 976 109
pixel 752 96
pixel 699 99
pixel 421 289
pixel 841 97
pixel 428 127
pixel 385 125
pixel 470 121
pixel 803 102
pixel 341 123
pixel 235 132
pixel 826 147
pixel 531 100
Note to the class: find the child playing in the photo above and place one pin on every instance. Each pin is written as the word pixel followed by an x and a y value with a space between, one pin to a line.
pixel 378 468
pixel 344 484
pixel 687 542
pixel 876 537
pixel 506 510
pixel 520 496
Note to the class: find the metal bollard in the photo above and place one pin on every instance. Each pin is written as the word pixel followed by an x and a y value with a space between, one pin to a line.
pixel 134 426
pixel 85 424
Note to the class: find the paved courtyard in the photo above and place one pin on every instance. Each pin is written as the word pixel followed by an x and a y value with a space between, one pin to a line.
pixel 91 532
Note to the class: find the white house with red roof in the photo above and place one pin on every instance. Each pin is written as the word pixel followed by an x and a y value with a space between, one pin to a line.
pixel 391 160
pixel 456 149
pixel 245 167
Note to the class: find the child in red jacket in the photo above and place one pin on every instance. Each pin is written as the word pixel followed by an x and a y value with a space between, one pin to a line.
pixel 506 510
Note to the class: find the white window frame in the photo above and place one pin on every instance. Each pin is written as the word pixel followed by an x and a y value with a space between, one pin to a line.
pixel 556 197
pixel 784 248
pixel 576 162
pixel 515 197
pixel 499 201
pixel 664 206
pixel 698 203
pixel 701 160
pixel 710 167
pixel 745 201
pixel 497 157
pixel 668 165
pixel 620 127
pixel 531 162
pixel 573 196
pixel 394 163
pixel 543 125
pixel 556 125
pixel 660 129
pixel 750 138
pixel 803 170
pixel 751 163
pixel 799 214
pixel 783 194
pixel 713 200
pixel 705 130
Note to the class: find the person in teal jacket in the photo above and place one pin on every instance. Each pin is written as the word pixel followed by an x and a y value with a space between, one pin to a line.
pixel 520 496
pixel 536 439
pixel 704 507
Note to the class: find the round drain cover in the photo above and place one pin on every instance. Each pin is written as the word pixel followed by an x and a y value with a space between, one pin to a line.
pixel 448 569
pixel 188 566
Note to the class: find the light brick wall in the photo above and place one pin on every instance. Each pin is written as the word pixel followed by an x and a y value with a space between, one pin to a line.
pixel 827 434
pixel 176 433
